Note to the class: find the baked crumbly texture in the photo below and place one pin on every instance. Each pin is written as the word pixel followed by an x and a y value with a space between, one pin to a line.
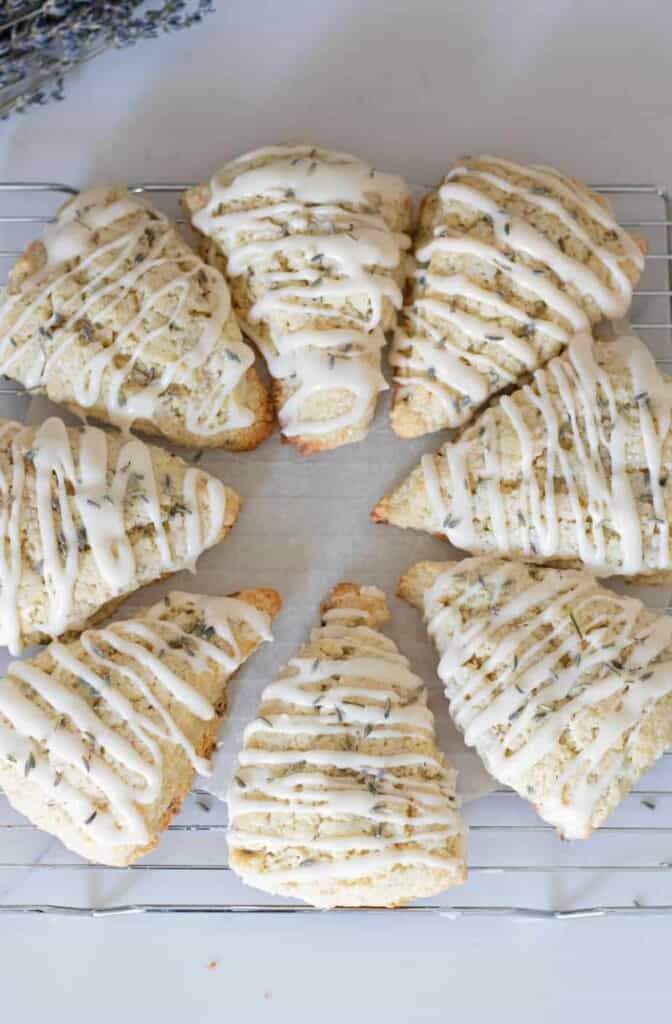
pixel 100 738
pixel 513 260
pixel 563 687
pixel 574 469
pixel 86 518
pixel 341 797
pixel 116 317
pixel 312 243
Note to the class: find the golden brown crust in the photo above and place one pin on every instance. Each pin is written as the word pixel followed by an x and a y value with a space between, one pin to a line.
pixel 419 578
pixel 264 598
pixel 381 512
pixel 32 260
pixel 407 506
pixel 352 595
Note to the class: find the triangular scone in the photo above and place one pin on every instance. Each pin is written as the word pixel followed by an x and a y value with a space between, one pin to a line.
pixel 312 244
pixel 563 687
pixel 100 738
pixel 86 518
pixel 513 261
pixel 573 469
pixel 115 316
pixel 341 797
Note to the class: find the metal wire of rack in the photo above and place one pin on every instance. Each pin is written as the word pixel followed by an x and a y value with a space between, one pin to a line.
pixel 518 868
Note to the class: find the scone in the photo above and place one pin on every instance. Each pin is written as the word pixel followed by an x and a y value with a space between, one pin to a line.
pixel 574 469
pixel 115 316
pixel 513 261
pixel 312 244
pixel 86 518
pixel 563 687
pixel 341 797
pixel 100 738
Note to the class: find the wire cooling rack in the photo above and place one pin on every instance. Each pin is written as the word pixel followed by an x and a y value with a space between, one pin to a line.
pixel 517 865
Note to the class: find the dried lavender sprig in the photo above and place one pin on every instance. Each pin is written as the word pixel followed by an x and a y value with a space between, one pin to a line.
pixel 40 43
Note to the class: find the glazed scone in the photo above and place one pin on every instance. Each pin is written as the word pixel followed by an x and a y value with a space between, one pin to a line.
pixel 341 797
pixel 312 243
pixel 115 316
pixel 563 687
pixel 100 738
pixel 574 469
pixel 87 517
pixel 513 261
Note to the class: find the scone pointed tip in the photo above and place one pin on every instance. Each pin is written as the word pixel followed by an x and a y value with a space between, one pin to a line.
pixel 408 506
pixel 193 199
pixel 304 444
pixel 380 513
pixel 28 264
pixel 416 580
pixel 266 599
pixel 368 599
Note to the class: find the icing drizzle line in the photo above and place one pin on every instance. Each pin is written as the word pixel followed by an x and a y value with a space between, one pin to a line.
pixel 102 774
pixel 108 344
pixel 462 356
pixel 80 503
pixel 342 739
pixel 305 227
pixel 554 667
pixel 575 455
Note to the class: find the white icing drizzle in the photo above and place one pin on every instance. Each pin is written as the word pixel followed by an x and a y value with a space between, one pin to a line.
pixel 304 762
pixel 430 351
pixel 315 264
pixel 528 671
pixel 90 766
pixel 575 490
pixel 90 282
pixel 79 502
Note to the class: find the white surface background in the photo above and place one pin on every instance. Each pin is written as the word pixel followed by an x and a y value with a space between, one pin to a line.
pixel 584 85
